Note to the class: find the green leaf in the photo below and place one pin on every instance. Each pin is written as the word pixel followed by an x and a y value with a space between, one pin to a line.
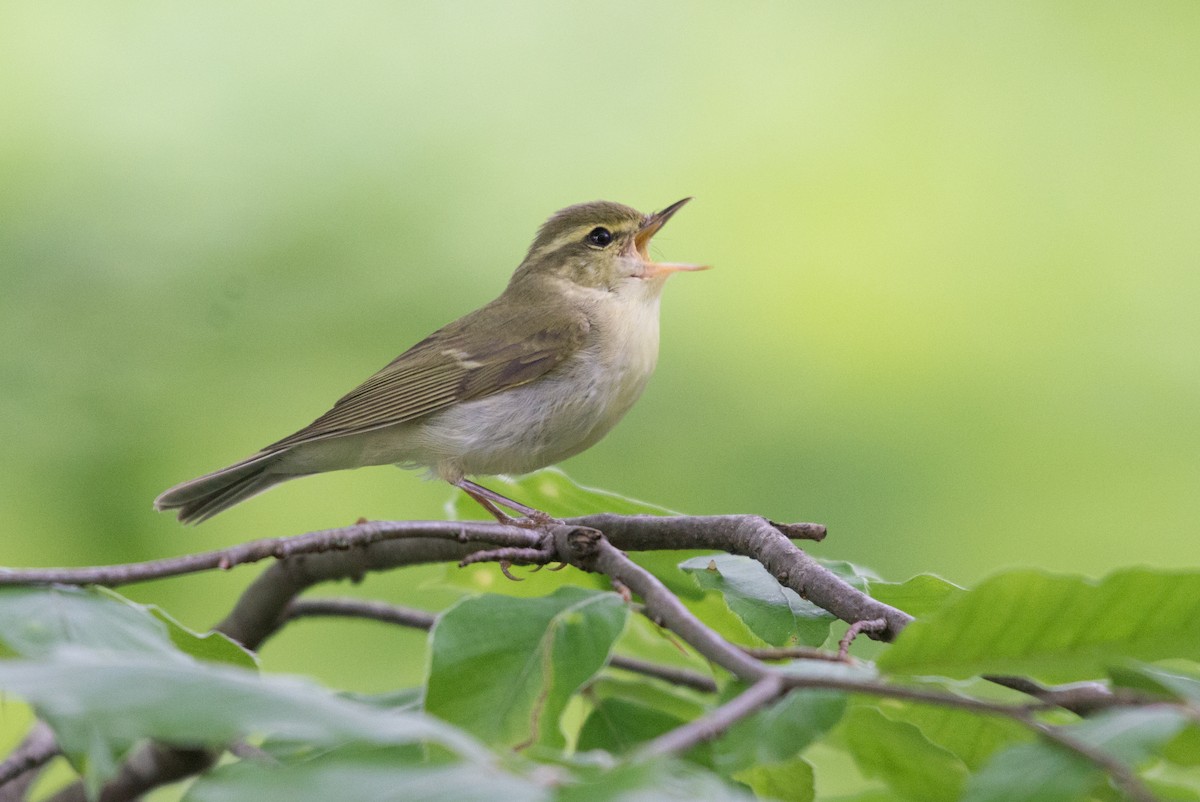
pixel 900 755
pixel 215 647
pixel 618 726
pixel 918 596
pixel 1132 734
pixel 1046 772
pixel 645 640
pixel 37 620
pixel 852 574
pixel 665 565
pixel 656 781
pixel 679 703
pixel 552 491
pixel 628 713
pixel 1036 772
pixel 789 782
pixel 972 737
pixel 779 732
pixel 504 668
pixel 1175 791
pixel 362 777
pixel 772 612
pixel 1184 749
pixel 1057 628
pixel 100 703
pixel 34 622
pixel 1156 680
pixel 399 699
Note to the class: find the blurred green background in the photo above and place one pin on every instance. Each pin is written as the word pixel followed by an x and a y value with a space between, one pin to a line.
pixel 954 315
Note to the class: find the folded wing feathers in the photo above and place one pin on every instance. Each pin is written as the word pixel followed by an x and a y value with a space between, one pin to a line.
pixel 434 374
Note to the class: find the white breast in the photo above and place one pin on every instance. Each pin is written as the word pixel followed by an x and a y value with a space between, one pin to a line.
pixel 559 414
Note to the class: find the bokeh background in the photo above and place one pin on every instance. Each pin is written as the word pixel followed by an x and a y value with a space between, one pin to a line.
pixel 955 313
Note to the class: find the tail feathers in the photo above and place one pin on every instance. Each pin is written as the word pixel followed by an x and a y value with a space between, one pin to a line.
pixel 202 498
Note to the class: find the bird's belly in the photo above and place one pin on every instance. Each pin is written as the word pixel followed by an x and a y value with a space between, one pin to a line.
pixel 530 426
pixel 517 430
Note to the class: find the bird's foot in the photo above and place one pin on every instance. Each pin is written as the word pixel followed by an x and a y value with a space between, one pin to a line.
pixel 543 554
pixel 530 518
pixel 534 519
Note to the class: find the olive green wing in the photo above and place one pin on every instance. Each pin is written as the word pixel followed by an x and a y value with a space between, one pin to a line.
pixel 490 350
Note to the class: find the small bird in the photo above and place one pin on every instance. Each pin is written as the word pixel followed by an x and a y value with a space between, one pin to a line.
pixel 537 375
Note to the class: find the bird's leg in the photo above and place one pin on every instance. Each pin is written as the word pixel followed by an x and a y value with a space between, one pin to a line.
pixel 534 519
pixel 491 501
pixel 485 502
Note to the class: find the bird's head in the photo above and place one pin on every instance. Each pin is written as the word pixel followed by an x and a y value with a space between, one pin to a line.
pixel 602 245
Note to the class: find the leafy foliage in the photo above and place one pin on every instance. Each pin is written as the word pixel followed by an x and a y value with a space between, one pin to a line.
pixel 774 613
pixel 1056 628
pixel 520 702
pixel 504 669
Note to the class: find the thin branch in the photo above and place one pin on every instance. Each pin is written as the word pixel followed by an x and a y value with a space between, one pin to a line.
pixel 359 608
pixel 793 653
pixel 775 685
pixel 749 535
pixel 857 628
pixel 149 767
pixel 37 749
pixel 590 550
pixel 756 537
pixel 676 676
pixel 368 544
pixel 801 531
pixel 259 611
pixel 1082 699
pixel 279 548
pixel 716 721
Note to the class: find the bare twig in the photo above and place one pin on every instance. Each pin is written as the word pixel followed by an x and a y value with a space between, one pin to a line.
pixel 279 548
pixel 754 537
pixel 676 676
pixel 588 549
pixel 716 721
pixel 793 653
pixel 774 686
pixel 1082 699
pixel 149 767
pixel 359 608
pixel 375 546
pixel 749 535
pixel 814 532
pixel 38 748
pixel 515 556
pixel 855 629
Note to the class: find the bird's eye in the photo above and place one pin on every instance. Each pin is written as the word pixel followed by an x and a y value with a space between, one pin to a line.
pixel 600 237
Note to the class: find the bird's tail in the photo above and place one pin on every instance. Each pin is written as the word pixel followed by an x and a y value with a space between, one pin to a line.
pixel 202 498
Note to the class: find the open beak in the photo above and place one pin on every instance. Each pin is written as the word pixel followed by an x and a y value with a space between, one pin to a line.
pixel 642 239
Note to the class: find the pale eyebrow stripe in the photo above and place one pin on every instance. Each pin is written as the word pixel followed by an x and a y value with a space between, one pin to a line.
pixel 569 238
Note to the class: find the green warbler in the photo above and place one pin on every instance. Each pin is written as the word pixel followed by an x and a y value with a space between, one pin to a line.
pixel 536 376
